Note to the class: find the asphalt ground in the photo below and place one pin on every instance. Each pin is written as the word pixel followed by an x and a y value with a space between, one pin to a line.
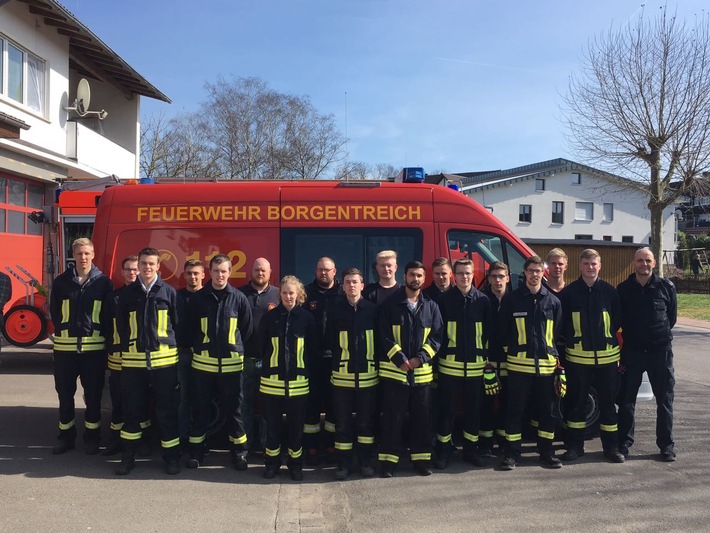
pixel 74 492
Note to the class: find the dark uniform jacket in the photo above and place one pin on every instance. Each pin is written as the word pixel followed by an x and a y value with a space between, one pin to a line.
pixel 260 303
pixel 113 341
pixel 183 304
pixel 406 334
pixel 433 292
pixel 496 353
pixel 377 294
pixel 351 338
pixel 319 302
pixel 77 311
pixel 219 322
pixel 146 325
pixel 288 340
pixel 591 316
pixel 467 325
pixel 527 326
pixel 649 312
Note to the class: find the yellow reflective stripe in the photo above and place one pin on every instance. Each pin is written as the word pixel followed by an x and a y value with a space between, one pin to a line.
pixel 275 452
pixel 116 426
pixel 443 438
pixel 300 344
pixel 131 436
pixel 485 434
pixel 549 435
pixel 197 440
pixel 550 332
pixel 576 323
pixel 65 343
pixel 362 380
pixel 162 323
pixel 274 359
pixel 421 456
pixel 343 342
pixel 233 324
pixel 397 333
pixel 295 454
pixel 65 311
pixel 606 319
pixel 451 332
pixel 388 457
pixel 66 426
pixel 92 425
pixel 522 334
pixel 479 335
pixel 96 312
pixel 133 325
pixel 238 440
pixel 116 337
pixel 204 321
pixel 611 428
pixel 513 437
pixel 470 437
pixel 361 439
pixel 311 429
pixel 344 446
pixel 329 426
pixel 370 351
pixel 170 443
pixel 576 425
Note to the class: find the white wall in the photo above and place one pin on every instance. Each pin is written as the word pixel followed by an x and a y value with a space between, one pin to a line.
pixel 631 216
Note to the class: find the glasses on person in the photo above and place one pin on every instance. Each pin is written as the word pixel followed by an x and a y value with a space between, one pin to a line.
pixel 325 270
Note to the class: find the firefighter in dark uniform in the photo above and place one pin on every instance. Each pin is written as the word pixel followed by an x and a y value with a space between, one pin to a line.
pixel 219 322
pixel 591 317
pixel 441 274
pixel 321 294
pixel 351 335
pixel 129 271
pixel 386 267
pixel 411 330
pixel 289 341
pixel 528 321
pixel 146 321
pixel 650 309
pixel 76 305
pixel 494 405
pixel 466 314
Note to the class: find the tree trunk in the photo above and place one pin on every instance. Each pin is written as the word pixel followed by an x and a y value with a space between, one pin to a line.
pixel 657 235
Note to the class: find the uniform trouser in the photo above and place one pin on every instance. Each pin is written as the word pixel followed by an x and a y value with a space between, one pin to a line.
pixel 136 384
pixel 319 401
pixel 250 385
pixel 493 415
pixel 89 367
pixel 450 389
pixel 398 400
pixel 659 365
pixel 184 376
pixel 274 408
pixel 228 389
pixel 362 402
pixel 537 392
pixel 114 387
pixel 580 378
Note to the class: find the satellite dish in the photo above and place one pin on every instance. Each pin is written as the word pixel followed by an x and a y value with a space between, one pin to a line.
pixel 83 96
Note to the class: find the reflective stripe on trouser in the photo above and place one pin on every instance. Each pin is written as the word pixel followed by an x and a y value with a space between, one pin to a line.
pixel 606 382
pixel 274 407
pixel 362 402
pixel 535 391
pixel 90 369
pixel 397 401
pixel 319 401
pixel 228 389
pixel 449 391
pixel 493 414
pixel 136 385
pixel 659 366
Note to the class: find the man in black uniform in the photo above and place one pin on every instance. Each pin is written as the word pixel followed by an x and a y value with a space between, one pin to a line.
pixel 79 318
pixel 219 322
pixel 262 297
pixel 527 325
pixel 146 321
pixel 466 313
pixel 351 335
pixel 321 294
pixel 411 331
pixel 441 272
pixel 591 316
pixel 386 266
pixel 650 309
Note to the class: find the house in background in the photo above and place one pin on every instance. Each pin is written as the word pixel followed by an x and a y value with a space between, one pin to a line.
pixel 44 53
pixel 560 200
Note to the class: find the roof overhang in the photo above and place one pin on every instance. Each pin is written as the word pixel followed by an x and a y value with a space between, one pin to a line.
pixel 10 126
pixel 88 54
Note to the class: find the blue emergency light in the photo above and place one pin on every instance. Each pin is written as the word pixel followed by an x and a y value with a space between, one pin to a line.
pixel 410 175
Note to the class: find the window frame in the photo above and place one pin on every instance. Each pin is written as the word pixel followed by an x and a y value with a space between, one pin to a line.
pixel 559 213
pixel 11 211
pixel 606 218
pixel 524 213
pixel 581 205
pixel 541 183
pixel 29 61
pixel 576 178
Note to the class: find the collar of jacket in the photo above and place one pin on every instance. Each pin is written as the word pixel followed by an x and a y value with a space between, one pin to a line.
pixel 94 272
pixel 334 289
pixel 544 291
pixel 209 289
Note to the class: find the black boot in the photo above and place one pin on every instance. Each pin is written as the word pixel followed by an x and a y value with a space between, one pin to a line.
pixel 127 464
pixel 114 443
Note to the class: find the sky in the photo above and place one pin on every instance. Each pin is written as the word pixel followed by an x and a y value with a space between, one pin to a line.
pixel 452 86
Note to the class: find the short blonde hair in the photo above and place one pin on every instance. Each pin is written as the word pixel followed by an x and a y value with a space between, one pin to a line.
pixel 386 254
pixel 557 252
pixel 78 243
pixel 300 289
pixel 589 253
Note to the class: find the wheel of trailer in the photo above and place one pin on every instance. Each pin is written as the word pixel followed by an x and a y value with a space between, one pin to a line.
pixel 592 414
pixel 24 325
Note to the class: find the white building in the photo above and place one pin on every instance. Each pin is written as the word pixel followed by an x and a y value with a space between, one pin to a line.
pixel 560 199
pixel 44 53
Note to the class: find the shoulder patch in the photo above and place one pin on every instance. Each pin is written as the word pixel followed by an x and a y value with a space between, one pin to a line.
pixel 271 306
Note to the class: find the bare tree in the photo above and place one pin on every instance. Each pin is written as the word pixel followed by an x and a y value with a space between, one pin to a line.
pixel 641 105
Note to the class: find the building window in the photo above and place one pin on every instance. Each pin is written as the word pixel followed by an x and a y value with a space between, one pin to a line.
pixel 582 237
pixel 608 215
pixel 584 211
pixel 606 238
pixel 17 200
pixel 525 213
pixel 576 178
pixel 558 212
pixel 627 238
pixel 22 75
pixel 539 185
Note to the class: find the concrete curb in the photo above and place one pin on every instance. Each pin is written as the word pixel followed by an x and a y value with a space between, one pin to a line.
pixel 683 321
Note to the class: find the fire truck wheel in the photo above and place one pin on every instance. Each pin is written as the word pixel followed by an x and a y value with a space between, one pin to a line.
pixel 25 325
